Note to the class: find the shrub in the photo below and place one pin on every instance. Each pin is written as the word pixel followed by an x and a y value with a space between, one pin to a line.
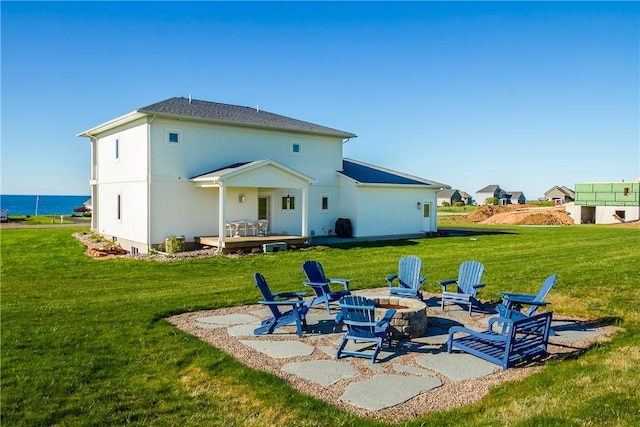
pixel 446 204
pixel 491 201
pixel 458 204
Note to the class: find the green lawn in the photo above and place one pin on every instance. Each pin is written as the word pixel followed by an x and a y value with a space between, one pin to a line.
pixel 84 342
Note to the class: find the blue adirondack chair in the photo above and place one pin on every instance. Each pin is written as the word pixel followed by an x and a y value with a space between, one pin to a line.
pixel 526 339
pixel 467 285
pixel 408 278
pixel 358 314
pixel 296 313
pixel 319 282
pixel 508 310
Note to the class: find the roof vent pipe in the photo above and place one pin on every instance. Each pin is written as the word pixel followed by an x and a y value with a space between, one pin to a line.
pixel 258 108
pixel 189 98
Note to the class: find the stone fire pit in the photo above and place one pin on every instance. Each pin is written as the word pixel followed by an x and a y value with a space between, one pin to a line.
pixel 410 320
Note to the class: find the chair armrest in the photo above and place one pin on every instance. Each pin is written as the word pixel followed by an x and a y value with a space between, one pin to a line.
pixel 390 278
pixel 422 279
pixel 343 282
pixel 314 284
pixel 295 303
pixel 387 317
pixel 527 301
pixel 290 294
pixel 503 320
pixel 445 283
pixel 479 285
pixel 513 295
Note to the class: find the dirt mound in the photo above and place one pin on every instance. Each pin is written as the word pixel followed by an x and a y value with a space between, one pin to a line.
pixel 519 215
pixel 487 211
pixel 548 217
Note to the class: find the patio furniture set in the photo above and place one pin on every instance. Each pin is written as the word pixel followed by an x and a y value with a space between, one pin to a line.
pixel 521 335
pixel 242 227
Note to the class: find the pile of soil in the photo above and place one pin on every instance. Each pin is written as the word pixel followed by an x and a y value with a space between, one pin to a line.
pixel 519 215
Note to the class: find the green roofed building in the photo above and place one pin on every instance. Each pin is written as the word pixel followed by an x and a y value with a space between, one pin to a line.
pixel 606 202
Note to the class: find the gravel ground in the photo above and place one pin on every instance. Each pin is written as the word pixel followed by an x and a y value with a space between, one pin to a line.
pixel 450 395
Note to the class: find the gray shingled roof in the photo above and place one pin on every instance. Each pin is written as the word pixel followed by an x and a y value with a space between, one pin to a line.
pixel 370 174
pixel 225 113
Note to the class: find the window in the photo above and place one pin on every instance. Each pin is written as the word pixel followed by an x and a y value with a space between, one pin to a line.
pixel 626 191
pixel 119 207
pixel 117 153
pixel 173 137
pixel 296 149
pixel 288 203
pixel 426 210
pixel 325 203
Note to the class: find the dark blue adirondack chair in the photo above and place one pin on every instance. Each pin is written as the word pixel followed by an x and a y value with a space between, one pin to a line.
pixel 467 285
pixel 510 301
pixel 358 314
pixel 527 338
pixel 320 284
pixel 296 313
pixel 408 278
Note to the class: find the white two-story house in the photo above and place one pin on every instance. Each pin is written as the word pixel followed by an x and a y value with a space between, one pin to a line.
pixel 188 167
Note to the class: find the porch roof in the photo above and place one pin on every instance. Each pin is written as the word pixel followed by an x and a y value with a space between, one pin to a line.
pixel 257 173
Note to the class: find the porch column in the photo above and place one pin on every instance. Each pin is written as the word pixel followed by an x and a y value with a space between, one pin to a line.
pixel 305 211
pixel 222 215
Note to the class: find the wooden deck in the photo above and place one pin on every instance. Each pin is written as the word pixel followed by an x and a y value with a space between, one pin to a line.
pixel 247 243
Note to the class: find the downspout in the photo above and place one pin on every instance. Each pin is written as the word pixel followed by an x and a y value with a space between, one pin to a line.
pixel 149 182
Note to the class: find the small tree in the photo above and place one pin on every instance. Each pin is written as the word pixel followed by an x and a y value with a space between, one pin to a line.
pixel 491 201
pixel 458 204
pixel 445 204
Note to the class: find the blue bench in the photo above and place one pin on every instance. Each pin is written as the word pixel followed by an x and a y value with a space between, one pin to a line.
pixel 525 339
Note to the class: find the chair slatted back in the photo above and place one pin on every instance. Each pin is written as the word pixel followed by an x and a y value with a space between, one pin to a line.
pixel 409 268
pixel 470 274
pixel 542 293
pixel 358 313
pixel 315 274
pixel 261 284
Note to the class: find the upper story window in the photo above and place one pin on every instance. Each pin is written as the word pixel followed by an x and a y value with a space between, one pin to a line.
pixel 117 149
pixel 296 148
pixel 174 138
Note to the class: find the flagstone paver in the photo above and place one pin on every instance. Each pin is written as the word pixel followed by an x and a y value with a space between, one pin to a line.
pixel 228 319
pixel 457 366
pixel 383 391
pixel 280 349
pixel 323 372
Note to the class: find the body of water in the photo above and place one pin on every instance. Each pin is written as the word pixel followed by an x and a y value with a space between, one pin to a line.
pixel 45 205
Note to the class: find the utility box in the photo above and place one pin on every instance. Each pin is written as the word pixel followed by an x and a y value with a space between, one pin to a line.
pixel 274 247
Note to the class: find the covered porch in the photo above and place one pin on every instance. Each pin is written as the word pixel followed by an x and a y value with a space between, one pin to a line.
pixel 252 192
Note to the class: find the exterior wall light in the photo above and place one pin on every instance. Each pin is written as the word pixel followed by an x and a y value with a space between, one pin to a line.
pixel 419 205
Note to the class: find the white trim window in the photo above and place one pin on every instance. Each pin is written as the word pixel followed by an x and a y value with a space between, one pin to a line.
pixel 324 203
pixel 174 138
pixel 296 148
pixel 287 202
pixel 119 207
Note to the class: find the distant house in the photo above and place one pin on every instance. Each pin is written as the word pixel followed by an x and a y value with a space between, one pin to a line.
pixel 492 191
pixel 606 203
pixel 196 169
pixel 560 194
pixel 449 196
pixel 517 197
pixel 466 197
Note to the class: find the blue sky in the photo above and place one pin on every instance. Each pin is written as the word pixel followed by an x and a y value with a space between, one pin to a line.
pixel 525 95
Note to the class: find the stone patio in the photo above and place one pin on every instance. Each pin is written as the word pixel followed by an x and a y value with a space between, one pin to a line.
pixel 407 378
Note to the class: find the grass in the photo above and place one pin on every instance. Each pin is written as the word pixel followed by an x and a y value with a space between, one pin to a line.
pixel 46 219
pixel 84 342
